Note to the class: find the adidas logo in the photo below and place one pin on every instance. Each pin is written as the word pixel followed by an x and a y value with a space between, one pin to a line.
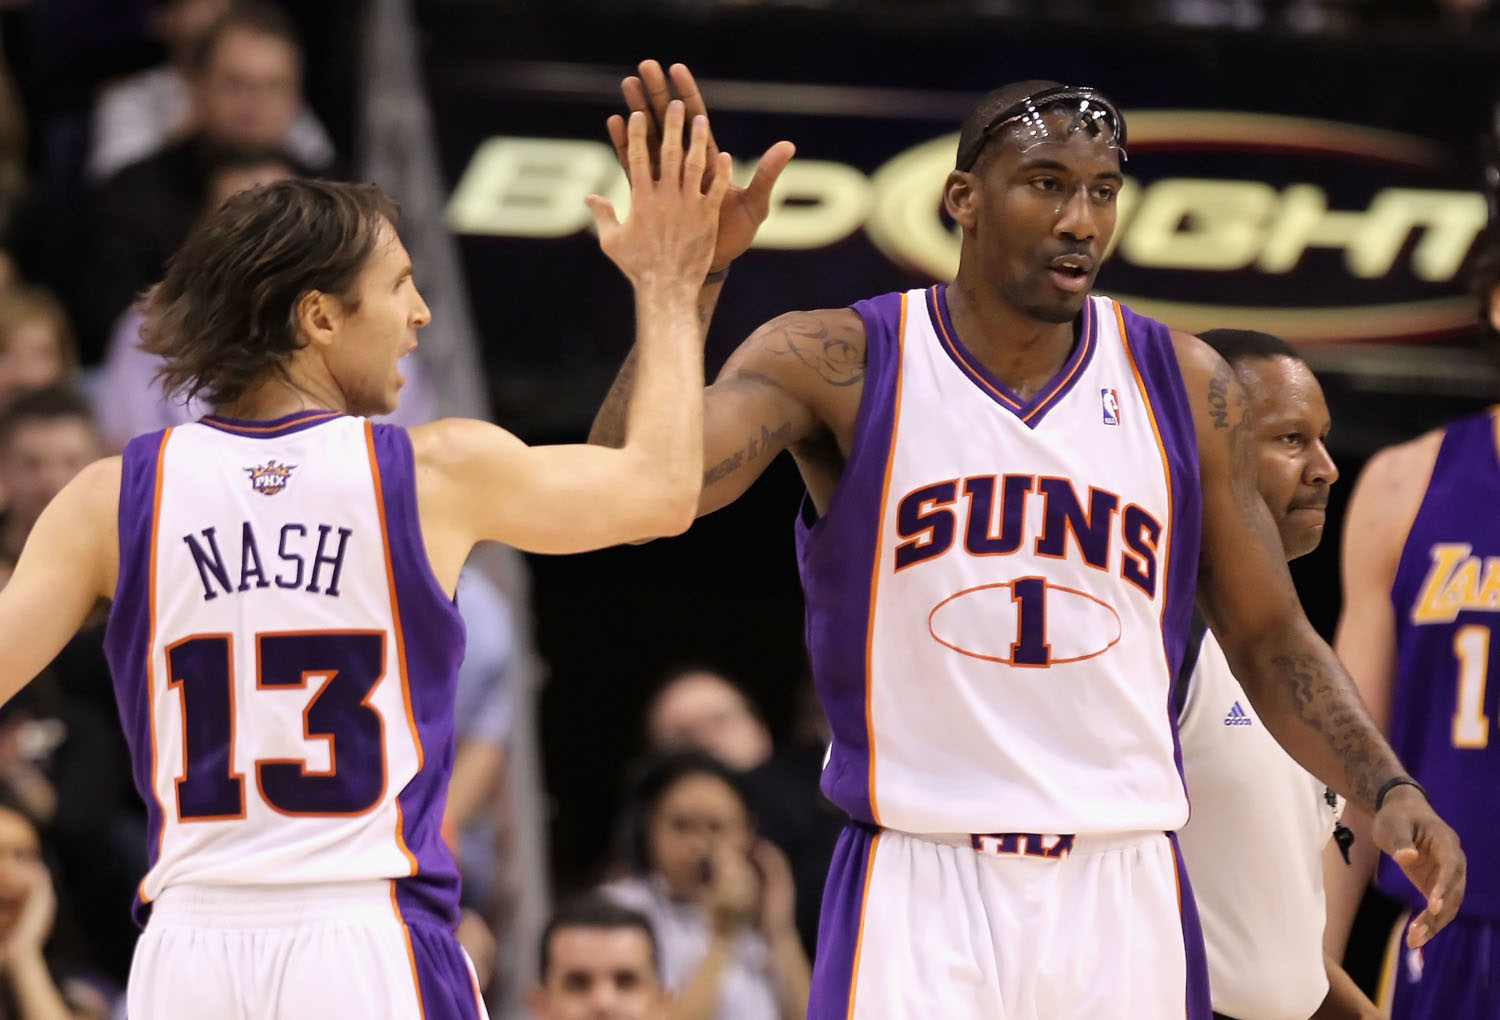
pixel 1238 717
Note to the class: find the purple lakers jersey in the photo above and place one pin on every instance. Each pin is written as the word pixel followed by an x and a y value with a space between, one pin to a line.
pixel 999 591
pixel 1446 695
pixel 284 660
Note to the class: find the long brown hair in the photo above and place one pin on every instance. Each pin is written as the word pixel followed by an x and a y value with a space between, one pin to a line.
pixel 225 314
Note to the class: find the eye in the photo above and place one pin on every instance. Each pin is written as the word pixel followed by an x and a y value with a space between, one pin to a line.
pixel 1295 440
pixel 1045 183
pixel 1105 193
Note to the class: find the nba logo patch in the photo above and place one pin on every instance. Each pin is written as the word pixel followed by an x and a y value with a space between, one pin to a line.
pixel 270 478
pixel 1109 401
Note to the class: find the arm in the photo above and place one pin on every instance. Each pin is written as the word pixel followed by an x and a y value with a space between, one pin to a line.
pixel 484 483
pixel 775 391
pixel 1292 677
pixel 1344 1000
pixel 68 564
pixel 1381 509
pixel 477 767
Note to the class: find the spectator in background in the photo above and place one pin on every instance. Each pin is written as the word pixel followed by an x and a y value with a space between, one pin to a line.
pixel 28 907
pixel 36 342
pixel 598 962
pixel 482 715
pixel 137 116
pixel 721 902
pixel 699 708
pixel 62 757
pixel 247 88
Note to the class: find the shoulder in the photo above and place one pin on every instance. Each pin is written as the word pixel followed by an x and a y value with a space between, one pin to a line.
pixel 1196 359
pixel 799 349
pixel 452 444
pixel 1389 492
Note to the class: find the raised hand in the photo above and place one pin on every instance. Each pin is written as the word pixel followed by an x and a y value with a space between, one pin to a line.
pixel 668 236
pixel 1425 847
pixel 743 209
pixel 34 923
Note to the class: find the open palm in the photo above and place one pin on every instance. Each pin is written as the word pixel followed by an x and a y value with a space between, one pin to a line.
pixel 743 210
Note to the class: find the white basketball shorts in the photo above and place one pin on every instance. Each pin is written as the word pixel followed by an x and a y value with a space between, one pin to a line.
pixel 1008 927
pixel 321 952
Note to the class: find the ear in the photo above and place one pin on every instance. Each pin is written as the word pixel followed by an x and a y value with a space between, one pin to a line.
pixel 960 196
pixel 318 316
pixel 1494 309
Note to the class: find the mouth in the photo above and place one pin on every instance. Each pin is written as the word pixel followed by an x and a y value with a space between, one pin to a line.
pixel 1321 509
pixel 1071 272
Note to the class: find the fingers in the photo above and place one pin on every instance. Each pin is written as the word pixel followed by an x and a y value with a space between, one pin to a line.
pixel 718 180
pixel 605 219
pixel 671 143
pixel 637 160
pixel 758 191
pixel 696 161
pixel 658 92
pixel 615 125
pixel 692 99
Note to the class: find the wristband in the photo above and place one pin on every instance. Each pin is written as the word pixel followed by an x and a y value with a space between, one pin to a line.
pixel 1391 784
pixel 716 277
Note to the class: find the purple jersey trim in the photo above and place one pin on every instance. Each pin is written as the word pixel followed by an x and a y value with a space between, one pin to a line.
pixel 1195 956
pixel 1148 344
pixel 272 429
pixel 836 557
pixel 431 636
pixel 1031 412
pixel 1461 781
pixel 841 923
pixel 445 986
pixel 127 635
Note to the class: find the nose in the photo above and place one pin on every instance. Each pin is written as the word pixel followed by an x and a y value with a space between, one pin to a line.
pixel 1320 470
pixel 421 314
pixel 1075 220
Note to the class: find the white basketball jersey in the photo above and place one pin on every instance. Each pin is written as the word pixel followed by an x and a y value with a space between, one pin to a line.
pixel 284 658
pixel 997 594
pixel 1254 848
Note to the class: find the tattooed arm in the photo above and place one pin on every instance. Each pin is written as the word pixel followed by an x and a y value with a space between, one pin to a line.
pixel 1292 677
pixel 776 390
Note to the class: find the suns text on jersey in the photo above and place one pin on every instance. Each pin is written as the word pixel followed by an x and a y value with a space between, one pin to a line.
pixel 307 559
pixel 927 520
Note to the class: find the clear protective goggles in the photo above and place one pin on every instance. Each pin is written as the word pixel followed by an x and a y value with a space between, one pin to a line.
pixel 1090 110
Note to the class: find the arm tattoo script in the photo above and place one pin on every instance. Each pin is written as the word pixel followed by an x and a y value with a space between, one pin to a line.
pixel 836 356
pixel 1329 707
pixel 1218 396
pixel 767 439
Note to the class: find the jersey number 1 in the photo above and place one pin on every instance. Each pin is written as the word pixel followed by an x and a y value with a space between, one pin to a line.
pixel 346 664
pixel 1471 727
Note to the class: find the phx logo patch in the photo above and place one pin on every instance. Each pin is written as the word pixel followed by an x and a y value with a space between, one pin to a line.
pixel 270 478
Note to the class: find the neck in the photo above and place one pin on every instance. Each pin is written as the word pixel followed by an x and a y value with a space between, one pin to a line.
pixel 276 396
pixel 1020 351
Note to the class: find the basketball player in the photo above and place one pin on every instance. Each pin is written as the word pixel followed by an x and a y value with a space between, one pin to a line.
pixel 1421 565
pixel 1254 844
pixel 1007 482
pixel 283 638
